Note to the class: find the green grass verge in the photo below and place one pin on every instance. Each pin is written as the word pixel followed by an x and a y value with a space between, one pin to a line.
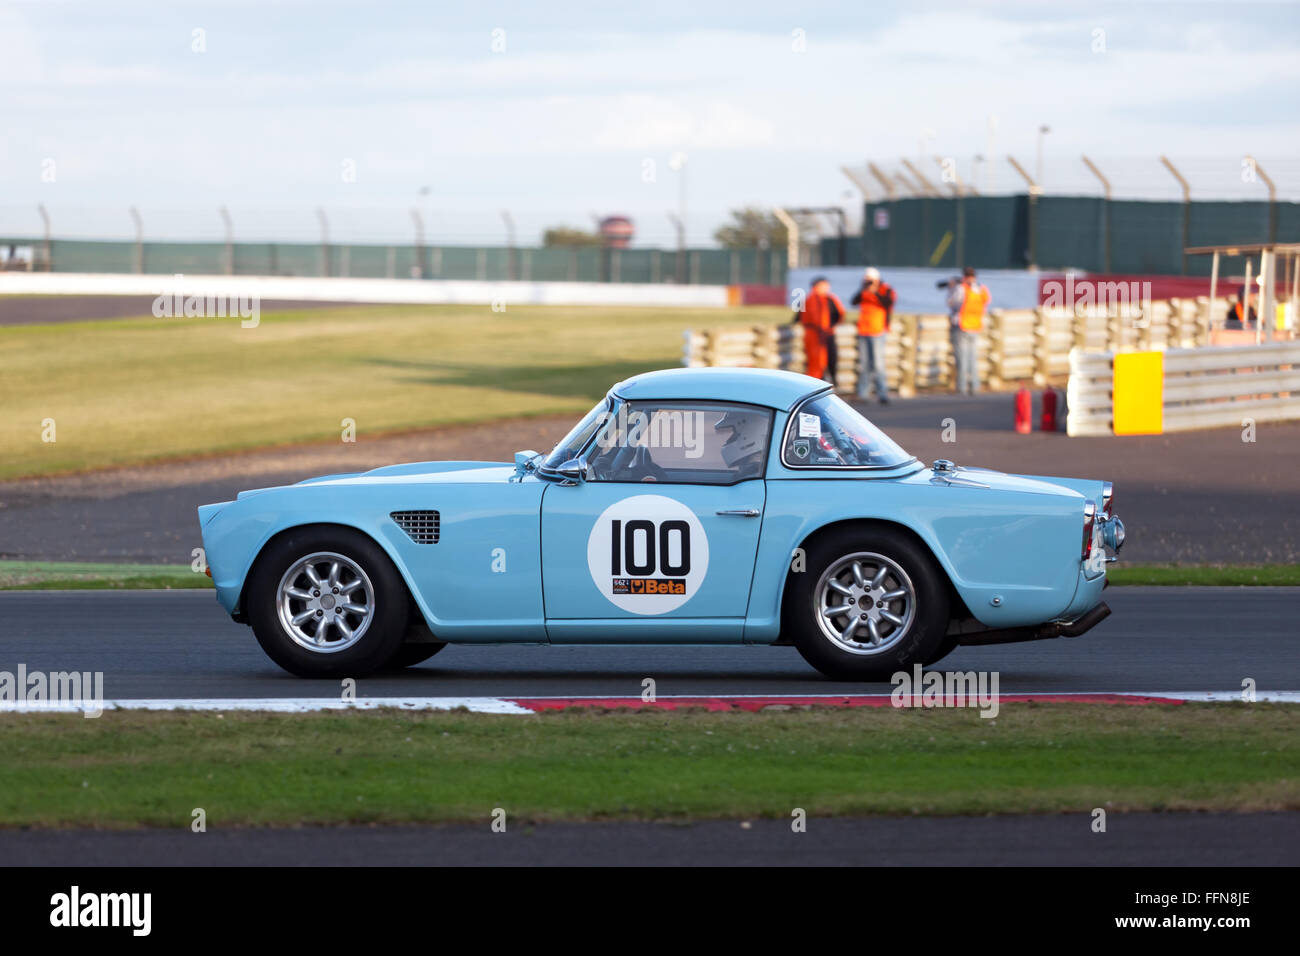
pixel 125 391
pixel 1206 575
pixel 152 769
pixel 74 575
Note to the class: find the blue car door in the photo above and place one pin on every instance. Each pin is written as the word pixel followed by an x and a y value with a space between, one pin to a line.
pixel 657 542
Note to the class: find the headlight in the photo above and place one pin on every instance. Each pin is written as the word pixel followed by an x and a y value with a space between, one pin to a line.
pixel 1112 533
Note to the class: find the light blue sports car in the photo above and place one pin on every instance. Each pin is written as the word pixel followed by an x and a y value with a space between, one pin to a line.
pixel 690 506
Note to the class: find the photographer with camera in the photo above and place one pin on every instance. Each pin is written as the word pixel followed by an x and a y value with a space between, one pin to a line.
pixel 876 301
pixel 968 302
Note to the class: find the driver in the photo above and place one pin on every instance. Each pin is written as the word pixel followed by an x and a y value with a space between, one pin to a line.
pixel 743 450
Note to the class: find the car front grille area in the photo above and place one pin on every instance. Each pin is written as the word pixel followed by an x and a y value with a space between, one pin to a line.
pixel 421 526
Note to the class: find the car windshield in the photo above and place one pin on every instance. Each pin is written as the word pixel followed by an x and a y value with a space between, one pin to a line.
pixel 577 439
pixel 827 432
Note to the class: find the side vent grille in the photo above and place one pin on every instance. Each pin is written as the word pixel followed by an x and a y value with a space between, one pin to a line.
pixel 422 526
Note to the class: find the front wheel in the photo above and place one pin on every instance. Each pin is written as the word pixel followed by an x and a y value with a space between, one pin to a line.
pixel 871 603
pixel 327 602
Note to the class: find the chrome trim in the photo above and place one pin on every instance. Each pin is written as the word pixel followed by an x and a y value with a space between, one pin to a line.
pixel 572 471
pixel 945 473
pixel 956 481
pixel 542 471
pixel 1107 493
pixel 1089 526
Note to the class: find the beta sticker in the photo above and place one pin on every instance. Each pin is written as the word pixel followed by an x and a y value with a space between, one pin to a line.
pixel 810 426
pixel 648 554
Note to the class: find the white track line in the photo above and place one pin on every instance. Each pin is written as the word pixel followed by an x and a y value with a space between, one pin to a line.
pixel 501 705
pixel 1225 696
pixel 283 705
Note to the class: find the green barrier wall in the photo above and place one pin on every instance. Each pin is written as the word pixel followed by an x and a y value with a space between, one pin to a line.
pixel 578 264
pixel 1057 232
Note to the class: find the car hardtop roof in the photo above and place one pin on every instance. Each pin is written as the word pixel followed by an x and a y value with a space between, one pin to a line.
pixel 756 386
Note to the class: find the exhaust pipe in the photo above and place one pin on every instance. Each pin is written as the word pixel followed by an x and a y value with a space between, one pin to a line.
pixel 1087 622
pixel 1018 635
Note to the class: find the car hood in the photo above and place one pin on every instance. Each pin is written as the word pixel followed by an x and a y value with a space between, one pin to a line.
pixel 460 472
pixel 424 472
pixel 973 477
pixel 421 472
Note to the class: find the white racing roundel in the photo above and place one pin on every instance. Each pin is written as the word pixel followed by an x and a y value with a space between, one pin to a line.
pixel 648 554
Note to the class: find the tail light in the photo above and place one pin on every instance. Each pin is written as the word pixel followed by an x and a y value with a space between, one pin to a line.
pixel 1089 520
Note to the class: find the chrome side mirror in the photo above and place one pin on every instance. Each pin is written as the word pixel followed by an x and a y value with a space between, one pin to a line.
pixel 525 462
pixel 574 470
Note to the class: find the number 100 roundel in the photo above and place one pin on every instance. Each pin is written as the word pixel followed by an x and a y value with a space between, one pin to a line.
pixel 648 554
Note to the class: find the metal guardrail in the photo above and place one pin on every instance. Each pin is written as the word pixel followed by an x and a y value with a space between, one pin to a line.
pixel 1199 388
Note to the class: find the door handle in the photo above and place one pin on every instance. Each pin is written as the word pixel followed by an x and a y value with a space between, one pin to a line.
pixel 741 512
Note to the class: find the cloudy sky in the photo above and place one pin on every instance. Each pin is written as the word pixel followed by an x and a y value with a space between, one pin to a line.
pixel 557 111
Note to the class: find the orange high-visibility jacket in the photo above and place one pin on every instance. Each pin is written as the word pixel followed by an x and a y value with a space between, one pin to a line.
pixel 974 304
pixel 819 312
pixel 873 319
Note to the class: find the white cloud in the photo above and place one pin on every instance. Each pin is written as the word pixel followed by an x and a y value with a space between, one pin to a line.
pixel 563 121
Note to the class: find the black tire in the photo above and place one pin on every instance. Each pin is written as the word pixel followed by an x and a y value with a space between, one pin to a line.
pixel 388 600
pixel 918 640
pixel 408 655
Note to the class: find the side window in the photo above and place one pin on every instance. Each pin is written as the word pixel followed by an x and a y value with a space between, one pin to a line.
pixel 826 432
pixel 712 443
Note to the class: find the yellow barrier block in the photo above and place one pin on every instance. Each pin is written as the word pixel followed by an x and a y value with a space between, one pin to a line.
pixel 1139 391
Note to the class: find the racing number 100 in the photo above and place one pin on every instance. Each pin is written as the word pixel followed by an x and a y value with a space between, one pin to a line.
pixel 622 550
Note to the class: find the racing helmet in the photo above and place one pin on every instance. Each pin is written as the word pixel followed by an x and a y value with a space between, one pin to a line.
pixel 748 430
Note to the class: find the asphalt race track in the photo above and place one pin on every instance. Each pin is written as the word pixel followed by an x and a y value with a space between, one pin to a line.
pixel 1131 839
pixel 169 644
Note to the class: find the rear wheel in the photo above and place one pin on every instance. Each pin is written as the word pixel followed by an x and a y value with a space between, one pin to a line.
pixel 327 602
pixel 871 602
